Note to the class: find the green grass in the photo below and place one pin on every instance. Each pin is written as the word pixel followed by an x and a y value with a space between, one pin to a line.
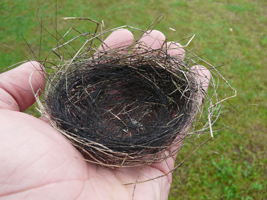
pixel 231 34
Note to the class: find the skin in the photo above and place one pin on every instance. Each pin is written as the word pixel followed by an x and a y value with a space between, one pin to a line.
pixel 37 162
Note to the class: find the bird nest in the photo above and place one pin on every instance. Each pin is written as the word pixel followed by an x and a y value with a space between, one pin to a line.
pixel 124 108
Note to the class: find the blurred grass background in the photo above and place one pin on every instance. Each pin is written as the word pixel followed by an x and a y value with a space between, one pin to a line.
pixel 230 34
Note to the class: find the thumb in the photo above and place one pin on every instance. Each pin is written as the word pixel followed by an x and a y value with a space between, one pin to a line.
pixel 17 86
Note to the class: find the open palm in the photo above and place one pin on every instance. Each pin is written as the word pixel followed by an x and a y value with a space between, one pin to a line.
pixel 37 162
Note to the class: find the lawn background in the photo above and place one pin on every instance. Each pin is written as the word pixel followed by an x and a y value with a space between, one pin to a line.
pixel 230 34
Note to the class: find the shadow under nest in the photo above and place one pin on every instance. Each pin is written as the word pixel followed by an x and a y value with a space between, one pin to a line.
pixel 124 110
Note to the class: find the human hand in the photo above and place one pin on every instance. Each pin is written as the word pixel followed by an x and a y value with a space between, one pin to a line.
pixel 37 162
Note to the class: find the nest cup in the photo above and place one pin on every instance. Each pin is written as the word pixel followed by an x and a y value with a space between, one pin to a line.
pixel 123 109
pixel 127 106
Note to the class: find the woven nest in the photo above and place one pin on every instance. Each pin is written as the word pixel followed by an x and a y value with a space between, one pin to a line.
pixel 123 109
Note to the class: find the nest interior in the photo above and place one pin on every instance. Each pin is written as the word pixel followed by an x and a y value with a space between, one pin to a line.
pixel 123 110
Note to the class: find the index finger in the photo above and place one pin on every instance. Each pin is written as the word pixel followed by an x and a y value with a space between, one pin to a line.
pixel 119 39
